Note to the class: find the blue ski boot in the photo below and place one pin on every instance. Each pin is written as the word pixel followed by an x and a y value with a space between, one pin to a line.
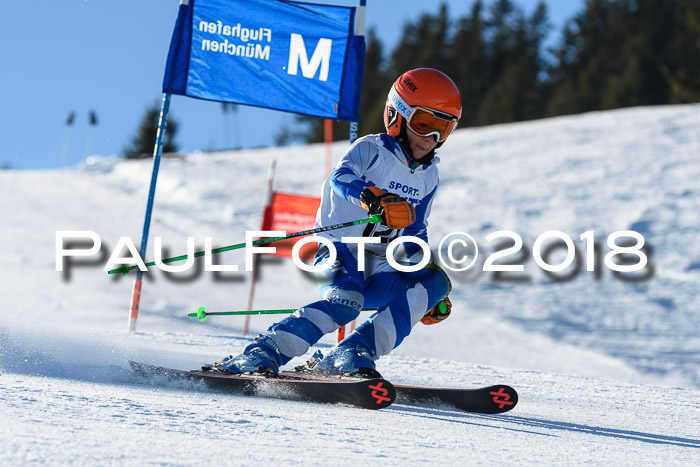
pixel 348 359
pixel 261 356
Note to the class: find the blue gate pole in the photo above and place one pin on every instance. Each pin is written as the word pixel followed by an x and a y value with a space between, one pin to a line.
pixel 359 31
pixel 157 151
pixel 354 126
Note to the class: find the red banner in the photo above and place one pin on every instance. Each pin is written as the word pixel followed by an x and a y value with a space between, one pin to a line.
pixel 291 213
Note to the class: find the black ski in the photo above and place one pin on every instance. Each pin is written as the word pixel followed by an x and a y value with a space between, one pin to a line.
pixel 490 400
pixel 375 393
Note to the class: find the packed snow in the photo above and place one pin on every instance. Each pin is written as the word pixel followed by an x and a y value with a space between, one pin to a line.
pixel 607 365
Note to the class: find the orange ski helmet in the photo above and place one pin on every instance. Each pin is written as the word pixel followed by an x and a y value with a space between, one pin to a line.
pixel 427 100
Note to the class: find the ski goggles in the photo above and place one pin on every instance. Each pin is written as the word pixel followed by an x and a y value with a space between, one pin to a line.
pixel 422 120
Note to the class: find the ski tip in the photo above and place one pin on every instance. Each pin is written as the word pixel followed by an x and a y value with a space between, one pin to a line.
pixel 502 398
pixel 381 393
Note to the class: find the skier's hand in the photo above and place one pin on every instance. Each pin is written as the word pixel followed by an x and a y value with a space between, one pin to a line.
pixel 396 212
pixel 438 313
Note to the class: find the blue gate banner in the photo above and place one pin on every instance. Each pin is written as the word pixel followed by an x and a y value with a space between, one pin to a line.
pixel 291 56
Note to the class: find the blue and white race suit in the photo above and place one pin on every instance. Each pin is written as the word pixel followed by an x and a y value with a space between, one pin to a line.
pixel 401 298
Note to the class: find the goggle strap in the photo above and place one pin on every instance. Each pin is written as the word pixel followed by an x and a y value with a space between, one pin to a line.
pixel 399 104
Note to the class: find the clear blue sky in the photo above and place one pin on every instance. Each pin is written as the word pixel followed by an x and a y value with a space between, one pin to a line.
pixel 109 56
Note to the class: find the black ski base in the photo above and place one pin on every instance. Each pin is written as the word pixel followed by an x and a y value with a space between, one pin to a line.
pixel 375 393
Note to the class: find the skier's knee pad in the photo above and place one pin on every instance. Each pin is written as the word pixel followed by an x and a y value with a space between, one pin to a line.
pixel 344 305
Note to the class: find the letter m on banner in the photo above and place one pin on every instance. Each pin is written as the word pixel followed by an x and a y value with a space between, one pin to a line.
pixel 321 57
pixel 296 57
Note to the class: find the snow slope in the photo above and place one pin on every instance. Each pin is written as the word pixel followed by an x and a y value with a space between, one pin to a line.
pixel 560 420
pixel 608 370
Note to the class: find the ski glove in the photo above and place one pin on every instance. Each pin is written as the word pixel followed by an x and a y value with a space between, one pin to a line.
pixel 396 212
pixel 438 313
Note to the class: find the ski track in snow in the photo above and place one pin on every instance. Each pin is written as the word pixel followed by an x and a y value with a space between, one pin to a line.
pixel 607 371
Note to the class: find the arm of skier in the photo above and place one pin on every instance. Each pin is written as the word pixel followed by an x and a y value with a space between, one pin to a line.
pixel 348 182
pixel 347 179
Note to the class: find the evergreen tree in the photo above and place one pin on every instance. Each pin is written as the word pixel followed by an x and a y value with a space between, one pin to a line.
pixel 143 143
pixel 619 53
pixel 425 43
pixel 684 82
pixel 513 65
pixel 468 57
pixel 375 87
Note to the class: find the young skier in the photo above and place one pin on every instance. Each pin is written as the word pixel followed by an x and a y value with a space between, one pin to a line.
pixel 393 174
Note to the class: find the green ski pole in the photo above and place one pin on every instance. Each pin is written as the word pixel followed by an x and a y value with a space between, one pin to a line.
pixel 202 314
pixel 124 269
